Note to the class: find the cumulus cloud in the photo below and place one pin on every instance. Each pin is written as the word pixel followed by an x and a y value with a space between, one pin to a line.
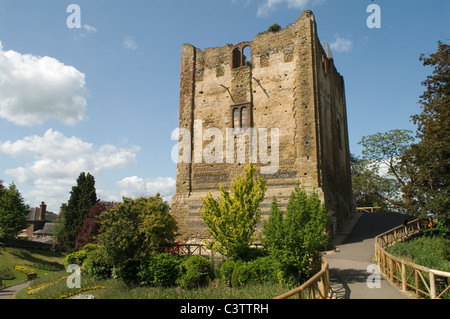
pixel 129 43
pixel 270 5
pixel 54 161
pixel 137 187
pixel 34 89
pixel 341 45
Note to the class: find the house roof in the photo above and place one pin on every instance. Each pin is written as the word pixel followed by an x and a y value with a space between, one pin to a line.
pixel 33 215
pixel 47 230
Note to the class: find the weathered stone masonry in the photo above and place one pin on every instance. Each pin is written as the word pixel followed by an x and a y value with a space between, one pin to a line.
pixel 288 82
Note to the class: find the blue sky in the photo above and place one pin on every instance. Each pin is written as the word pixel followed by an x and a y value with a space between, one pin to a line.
pixel 104 98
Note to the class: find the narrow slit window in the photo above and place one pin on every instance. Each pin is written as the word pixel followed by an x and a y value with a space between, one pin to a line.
pixel 236 58
pixel 236 118
pixel 244 118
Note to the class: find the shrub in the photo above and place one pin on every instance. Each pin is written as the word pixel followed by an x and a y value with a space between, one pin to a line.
pixel 259 270
pixel 226 271
pixel 97 265
pixel 75 258
pixel 237 270
pixel 196 271
pixel 293 237
pixel 232 219
pixel 6 273
pixel 159 270
pixel 131 230
pixel 274 28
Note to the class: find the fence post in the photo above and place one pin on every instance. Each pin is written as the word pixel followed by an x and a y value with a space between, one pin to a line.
pixel 432 285
pixel 403 277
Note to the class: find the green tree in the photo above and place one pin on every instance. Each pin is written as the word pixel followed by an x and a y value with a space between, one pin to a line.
pixel 82 197
pixel 13 212
pixel 131 230
pixel 293 237
pixel 233 218
pixel 385 174
pixel 431 155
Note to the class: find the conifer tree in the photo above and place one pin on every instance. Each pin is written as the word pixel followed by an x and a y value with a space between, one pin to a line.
pixel 12 212
pixel 82 197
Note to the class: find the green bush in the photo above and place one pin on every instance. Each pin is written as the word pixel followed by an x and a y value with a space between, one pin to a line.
pixel 6 273
pixel 97 265
pixel 159 270
pixel 226 271
pixel 127 272
pixel 259 270
pixel 237 271
pixel 294 236
pixel 75 258
pixel 196 271
pixel 274 28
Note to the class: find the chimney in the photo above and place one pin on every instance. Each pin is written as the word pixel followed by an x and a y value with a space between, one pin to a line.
pixel 42 211
pixel 62 208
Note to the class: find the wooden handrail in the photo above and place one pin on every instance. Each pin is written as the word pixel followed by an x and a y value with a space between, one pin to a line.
pixel 311 286
pixel 395 268
pixel 368 209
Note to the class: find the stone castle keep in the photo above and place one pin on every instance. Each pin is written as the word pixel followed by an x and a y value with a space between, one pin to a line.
pixel 283 80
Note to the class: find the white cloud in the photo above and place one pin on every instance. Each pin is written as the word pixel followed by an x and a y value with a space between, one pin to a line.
pixel 89 29
pixel 136 187
pixel 270 5
pixel 34 89
pixel 341 45
pixel 129 43
pixel 54 161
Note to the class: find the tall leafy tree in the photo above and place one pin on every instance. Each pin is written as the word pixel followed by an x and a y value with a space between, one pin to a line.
pixel 293 237
pixel 385 174
pixel 431 155
pixel 131 230
pixel 13 212
pixel 82 197
pixel 232 219
pixel 91 224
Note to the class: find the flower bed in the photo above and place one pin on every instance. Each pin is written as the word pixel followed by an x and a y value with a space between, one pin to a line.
pixel 31 273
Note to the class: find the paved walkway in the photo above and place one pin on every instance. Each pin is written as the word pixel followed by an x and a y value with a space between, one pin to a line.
pixel 356 252
pixel 8 293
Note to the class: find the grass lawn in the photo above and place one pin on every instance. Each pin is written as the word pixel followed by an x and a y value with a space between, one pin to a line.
pixel 54 286
pixel 43 262
pixel 431 252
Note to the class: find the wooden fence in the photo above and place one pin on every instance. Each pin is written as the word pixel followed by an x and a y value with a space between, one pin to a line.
pixel 409 276
pixel 317 287
pixel 369 209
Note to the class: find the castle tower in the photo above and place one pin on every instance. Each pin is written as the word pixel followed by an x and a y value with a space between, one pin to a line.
pixel 282 92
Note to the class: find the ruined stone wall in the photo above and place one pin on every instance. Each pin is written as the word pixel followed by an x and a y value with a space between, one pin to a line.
pixel 285 86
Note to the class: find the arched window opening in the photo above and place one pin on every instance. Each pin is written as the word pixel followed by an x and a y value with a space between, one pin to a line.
pixel 236 119
pixel 236 58
pixel 247 56
pixel 244 118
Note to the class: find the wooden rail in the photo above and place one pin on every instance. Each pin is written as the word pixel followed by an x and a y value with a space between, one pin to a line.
pixel 317 287
pixel 409 276
pixel 369 209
